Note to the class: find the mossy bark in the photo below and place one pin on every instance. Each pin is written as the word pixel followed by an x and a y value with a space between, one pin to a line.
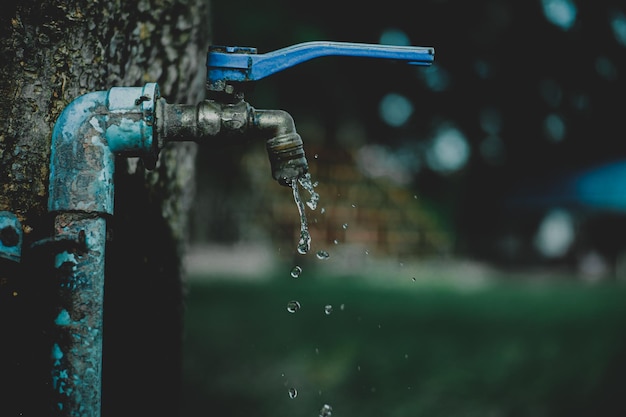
pixel 50 53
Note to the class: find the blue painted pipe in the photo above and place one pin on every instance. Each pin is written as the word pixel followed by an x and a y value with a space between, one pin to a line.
pixel 86 137
pixel 87 134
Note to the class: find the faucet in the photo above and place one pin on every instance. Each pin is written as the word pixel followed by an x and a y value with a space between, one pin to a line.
pixel 218 121
pixel 137 121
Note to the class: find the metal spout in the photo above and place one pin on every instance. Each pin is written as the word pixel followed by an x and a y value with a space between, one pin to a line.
pixel 284 148
pixel 220 122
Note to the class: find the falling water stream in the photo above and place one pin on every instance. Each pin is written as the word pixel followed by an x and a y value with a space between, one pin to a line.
pixel 304 243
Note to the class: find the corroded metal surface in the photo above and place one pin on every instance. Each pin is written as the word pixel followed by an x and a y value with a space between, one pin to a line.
pixel 87 136
pixel 77 349
pixel 10 236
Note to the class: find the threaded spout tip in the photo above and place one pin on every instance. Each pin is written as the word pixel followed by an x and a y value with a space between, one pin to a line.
pixel 287 159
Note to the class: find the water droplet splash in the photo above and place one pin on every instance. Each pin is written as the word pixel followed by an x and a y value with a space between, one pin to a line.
pixel 296 271
pixel 304 244
pixel 326 411
pixel 293 306
pixel 322 254
pixel 293 393
pixel 328 309
pixel 307 184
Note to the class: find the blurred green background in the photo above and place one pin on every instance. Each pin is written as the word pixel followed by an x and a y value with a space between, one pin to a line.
pixel 408 349
pixel 473 212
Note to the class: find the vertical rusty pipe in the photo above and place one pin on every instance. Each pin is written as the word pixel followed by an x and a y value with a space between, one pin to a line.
pixel 77 349
pixel 86 137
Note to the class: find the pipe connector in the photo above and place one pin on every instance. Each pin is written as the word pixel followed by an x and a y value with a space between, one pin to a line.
pixel 10 237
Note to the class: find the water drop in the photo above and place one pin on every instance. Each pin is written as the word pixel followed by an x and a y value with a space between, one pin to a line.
pixel 328 309
pixel 293 306
pixel 342 307
pixel 304 244
pixel 344 226
pixel 293 393
pixel 336 242
pixel 322 254
pixel 414 279
pixel 296 271
pixel 316 156
pixel 326 411
pixel 323 210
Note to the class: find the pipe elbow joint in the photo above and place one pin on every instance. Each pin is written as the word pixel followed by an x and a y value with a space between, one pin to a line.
pixel 85 138
pixel 285 148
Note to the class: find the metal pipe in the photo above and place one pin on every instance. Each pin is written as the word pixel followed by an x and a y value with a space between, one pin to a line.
pixel 77 348
pixel 220 121
pixel 10 237
pixel 284 146
pixel 88 134
pixel 86 137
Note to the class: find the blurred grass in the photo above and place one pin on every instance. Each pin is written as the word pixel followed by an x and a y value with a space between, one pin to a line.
pixel 499 350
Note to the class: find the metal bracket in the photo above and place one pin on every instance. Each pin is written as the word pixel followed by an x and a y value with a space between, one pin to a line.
pixel 60 244
pixel 11 235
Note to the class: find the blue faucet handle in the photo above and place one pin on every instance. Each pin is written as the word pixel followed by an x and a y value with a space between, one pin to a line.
pixel 234 64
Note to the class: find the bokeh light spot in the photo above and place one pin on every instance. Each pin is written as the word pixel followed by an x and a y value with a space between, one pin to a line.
pixel 555 234
pixel 554 127
pixel 618 25
pixel 561 13
pixel 395 109
pixel 393 36
pixel 449 151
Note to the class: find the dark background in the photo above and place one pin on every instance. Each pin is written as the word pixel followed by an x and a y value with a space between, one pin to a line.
pixel 550 94
pixel 423 338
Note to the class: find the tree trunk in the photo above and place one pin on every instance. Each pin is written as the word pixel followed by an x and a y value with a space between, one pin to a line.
pixel 51 53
